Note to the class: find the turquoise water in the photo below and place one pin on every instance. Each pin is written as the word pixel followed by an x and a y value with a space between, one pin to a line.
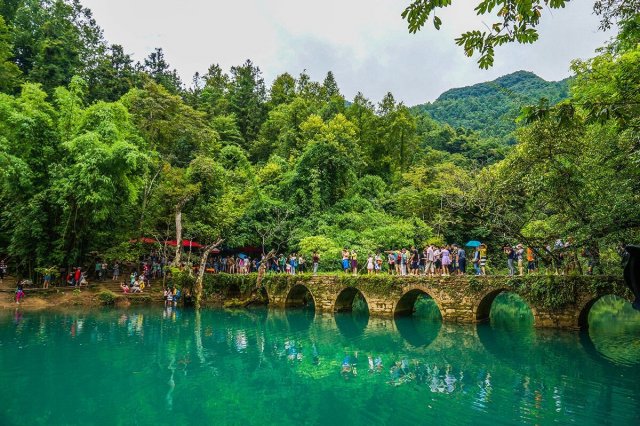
pixel 178 367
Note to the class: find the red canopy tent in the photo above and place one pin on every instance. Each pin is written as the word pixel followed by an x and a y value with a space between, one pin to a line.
pixel 173 243
pixel 185 243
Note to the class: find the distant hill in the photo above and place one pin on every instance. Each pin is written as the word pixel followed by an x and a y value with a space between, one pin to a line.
pixel 491 108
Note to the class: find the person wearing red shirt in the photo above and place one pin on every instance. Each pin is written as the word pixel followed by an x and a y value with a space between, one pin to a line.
pixel 76 277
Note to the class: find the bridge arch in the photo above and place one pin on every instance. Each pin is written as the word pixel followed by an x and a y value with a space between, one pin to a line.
pixel 406 305
pixel 346 297
pixel 583 314
pixel 299 296
pixel 483 310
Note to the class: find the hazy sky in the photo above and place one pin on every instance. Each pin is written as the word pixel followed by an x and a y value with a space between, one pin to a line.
pixel 364 42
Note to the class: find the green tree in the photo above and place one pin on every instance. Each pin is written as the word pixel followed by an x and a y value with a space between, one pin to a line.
pixel 113 76
pixel 227 129
pixel 283 90
pixel 214 99
pixel 156 66
pixel 9 72
pixel 517 21
pixel 247 97
pixel 330 86
pixel 361 112
pixel 29 147
pixel 53 40
pixel 172 128
pixel 328 165
pixel 80 173
pixel 280 133
pixel 397 133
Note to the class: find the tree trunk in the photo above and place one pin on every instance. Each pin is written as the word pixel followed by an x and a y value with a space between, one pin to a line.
pixel 203 263
pixel 263 267
pixel 177 258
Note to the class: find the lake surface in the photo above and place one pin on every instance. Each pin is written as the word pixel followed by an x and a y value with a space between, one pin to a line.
pixel 178 367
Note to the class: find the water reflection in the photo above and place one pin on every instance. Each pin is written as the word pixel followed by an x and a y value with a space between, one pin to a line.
pixel 351 324
pixel 266 361
pixel 300 319
pixel 509 335
pixel 614 330
pixel 416 331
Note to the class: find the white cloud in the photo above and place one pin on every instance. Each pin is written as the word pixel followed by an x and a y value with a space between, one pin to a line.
pixel 365 42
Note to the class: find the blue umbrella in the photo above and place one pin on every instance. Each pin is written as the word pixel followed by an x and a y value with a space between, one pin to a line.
pixel 473 243
pixel 242 256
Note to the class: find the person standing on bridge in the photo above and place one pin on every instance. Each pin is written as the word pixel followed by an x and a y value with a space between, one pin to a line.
pixel 354 262
pixel 453 268
pixel 370 264
pixel 520 258
pixel 431 260
pixel 391 261
pixel 293 261
pixel 476 261
pixel 508 250
pixel 423 262
pixel 345 260
pixel 437 260
pixel 462 261
pixel 378 263
pixel 316 262
pixel 446 261
pixel 414 261
pixel 483 258
pixel 404 262
pixel 531 261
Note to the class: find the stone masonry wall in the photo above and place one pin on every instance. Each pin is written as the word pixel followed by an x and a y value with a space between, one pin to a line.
pixel 556 301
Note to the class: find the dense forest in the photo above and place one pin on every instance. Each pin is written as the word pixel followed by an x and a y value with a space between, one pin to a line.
pixel 497 102
pixel 97 149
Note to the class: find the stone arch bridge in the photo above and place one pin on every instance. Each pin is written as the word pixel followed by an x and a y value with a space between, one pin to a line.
pixel 555 301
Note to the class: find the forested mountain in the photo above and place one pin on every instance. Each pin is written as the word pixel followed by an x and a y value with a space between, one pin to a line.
pixel 497 102
pixel 97 150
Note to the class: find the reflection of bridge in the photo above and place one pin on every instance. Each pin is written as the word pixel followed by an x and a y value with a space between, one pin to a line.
pixel 555 301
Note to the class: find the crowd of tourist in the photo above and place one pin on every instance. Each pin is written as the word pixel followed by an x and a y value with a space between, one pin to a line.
pixel 294 263
pixel 453 259
pixel 432 261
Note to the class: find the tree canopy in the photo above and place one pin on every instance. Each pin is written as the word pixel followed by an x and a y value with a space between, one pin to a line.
pixel 96 150
pixel 515 21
